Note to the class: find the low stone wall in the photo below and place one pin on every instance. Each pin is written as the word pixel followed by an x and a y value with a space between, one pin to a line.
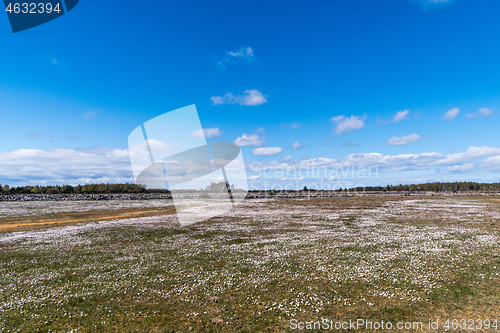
pixel 75 197
pixel 250 195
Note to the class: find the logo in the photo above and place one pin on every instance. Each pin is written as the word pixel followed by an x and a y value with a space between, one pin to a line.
pixel 26 15
pixel 171 152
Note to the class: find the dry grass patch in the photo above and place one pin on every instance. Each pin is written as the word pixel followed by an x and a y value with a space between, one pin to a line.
pixel 35 222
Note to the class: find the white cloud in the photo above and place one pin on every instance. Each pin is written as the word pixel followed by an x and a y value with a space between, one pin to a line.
pixel 267 151
pixel 207 133
pixel 483 112
pixel 473 153
pixel 451 114
pixel 252 97
pixel 90 115
pixel 347 124
pixel 249 140
pixel 492 163
pixel 243 55
pixel 297 145
pixel 400 115
pixel 403 140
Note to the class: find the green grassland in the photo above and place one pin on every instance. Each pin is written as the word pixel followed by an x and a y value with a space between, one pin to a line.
pixel 253 270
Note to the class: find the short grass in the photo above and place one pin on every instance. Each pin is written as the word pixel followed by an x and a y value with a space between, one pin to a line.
pixel 253 270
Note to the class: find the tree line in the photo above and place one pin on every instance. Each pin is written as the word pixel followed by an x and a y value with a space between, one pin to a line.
pixel 79 189
pixel 425 187
pixel 436 187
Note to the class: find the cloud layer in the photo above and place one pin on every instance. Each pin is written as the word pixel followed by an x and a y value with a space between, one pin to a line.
pixel 476 158
pixel 99 164
pixel 61 166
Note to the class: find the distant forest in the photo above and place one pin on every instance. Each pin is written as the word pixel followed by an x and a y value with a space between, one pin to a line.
pixel 436 187
pixel 79 189
pixel 133 188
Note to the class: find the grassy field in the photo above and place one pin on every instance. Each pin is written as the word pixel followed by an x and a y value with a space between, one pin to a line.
pixel 396 259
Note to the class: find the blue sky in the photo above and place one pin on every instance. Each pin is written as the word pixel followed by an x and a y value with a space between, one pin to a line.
pixel 324 84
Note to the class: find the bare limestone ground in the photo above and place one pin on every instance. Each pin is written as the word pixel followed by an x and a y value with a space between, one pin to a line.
pixel 268 261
